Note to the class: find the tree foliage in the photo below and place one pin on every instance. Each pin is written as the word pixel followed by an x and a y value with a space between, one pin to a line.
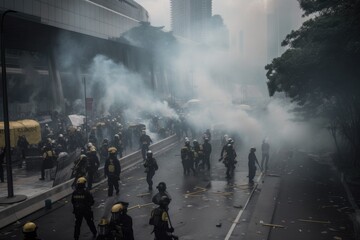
pixel 320 69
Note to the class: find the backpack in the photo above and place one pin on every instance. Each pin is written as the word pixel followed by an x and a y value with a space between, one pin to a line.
pixel 157 216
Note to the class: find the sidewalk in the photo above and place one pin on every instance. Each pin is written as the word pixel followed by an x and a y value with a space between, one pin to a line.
pixel 26 183
pixel 312 202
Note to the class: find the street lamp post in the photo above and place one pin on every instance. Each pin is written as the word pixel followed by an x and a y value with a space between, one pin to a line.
pixel 11 198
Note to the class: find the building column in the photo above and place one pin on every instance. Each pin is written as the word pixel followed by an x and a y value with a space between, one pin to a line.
pixel 56 85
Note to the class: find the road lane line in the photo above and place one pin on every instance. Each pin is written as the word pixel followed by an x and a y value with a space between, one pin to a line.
pixel 242 210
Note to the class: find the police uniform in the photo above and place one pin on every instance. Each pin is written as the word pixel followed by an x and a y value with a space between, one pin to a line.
pixel 82 201
pixel 48 161
pixel 229 160
pixel 150 167
pixel 160 220
pixel 92 166
pixel 145 142
pixel 112 171
pixel 251 164
pixel 207 151
pixel 121 223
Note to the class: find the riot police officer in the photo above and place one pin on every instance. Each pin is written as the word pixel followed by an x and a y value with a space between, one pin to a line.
pixel 162 192
pixel 118 144
pixel 145 142
pixel 112 171
pixel 121 223
pixel 229 160
pixel 104 154
pixel 92 166
pixel 160 219
pixel 207 151
pixel 187 158
pixel 82 201
pixel 251 164
pixel 150 167
pixel 29 230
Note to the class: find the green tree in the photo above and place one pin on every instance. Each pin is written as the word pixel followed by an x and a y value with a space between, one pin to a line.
pixel 320 68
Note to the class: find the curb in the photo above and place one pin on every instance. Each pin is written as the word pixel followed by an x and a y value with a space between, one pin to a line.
pixel 355 217
pixel 17 211
pixel 269 191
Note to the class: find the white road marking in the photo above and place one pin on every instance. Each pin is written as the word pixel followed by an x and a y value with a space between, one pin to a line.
pixel 241 211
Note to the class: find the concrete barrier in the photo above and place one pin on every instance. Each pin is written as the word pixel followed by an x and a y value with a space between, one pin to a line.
pixel 17 211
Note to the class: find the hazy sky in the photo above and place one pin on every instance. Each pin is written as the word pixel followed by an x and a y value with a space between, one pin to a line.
pixel 246 16
pixel 233 11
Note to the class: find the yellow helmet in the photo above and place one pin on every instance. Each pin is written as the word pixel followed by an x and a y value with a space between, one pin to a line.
pixel 81 180
pixel 29 227
pixel 112 150
pixel 117 208
pixel 103 222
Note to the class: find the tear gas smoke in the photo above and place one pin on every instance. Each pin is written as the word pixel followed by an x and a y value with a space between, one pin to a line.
pixel 125 89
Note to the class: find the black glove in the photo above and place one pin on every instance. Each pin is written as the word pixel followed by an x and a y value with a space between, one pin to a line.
pixel 171 230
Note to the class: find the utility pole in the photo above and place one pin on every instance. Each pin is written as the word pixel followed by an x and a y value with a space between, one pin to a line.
pixel 11 198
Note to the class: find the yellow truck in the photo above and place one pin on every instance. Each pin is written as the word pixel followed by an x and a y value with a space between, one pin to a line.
pixel 27 127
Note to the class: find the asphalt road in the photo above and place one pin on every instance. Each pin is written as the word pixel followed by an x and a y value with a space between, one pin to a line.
pixel 207 214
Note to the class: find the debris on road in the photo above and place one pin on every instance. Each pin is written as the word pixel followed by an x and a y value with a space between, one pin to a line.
pixel 314 221
pixel 143 194
pixel 271 225
pixel 140 206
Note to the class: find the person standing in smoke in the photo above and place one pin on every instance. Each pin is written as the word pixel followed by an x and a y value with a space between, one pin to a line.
pixel 252 168
pixel 207 152
pixel 48 160
pixel 150 167
pixel 198 155
pixel 112 171
pixel 104 154
pixel 229 160
pixel 145 142
pixel 187 158
pixel 92 166
pixel 22 145
pixel 117 143
pixel 265 149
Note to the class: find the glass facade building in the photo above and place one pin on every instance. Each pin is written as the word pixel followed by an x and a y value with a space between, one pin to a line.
pixel 99 18
pixel 191 18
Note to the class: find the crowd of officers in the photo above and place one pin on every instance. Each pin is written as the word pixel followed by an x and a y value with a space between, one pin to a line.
pixel 195 158
pixel 120 225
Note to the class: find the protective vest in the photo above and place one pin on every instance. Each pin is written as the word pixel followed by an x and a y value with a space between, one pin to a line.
pixel 111 167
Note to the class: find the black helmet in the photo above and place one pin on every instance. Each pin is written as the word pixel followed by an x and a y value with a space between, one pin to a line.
pixel 149 154
pixel 252 149
pixel 161 186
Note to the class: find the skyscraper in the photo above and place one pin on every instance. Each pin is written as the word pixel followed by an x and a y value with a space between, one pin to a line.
pixel 191 18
